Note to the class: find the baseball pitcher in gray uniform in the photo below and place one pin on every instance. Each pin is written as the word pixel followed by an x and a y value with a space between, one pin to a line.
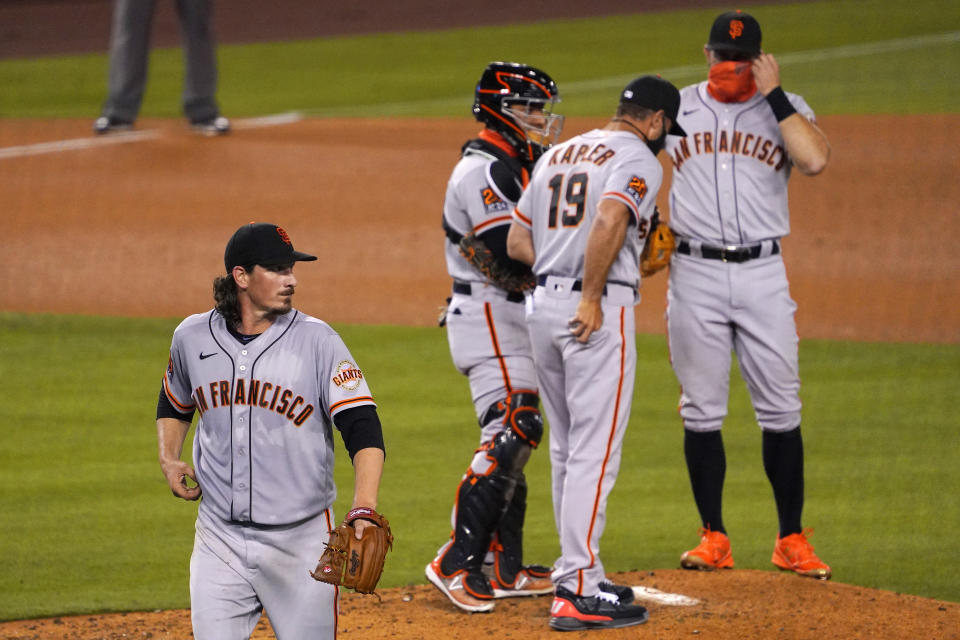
pixel 489 343
pixel 728 288
pixel 269 383
pixel 581 224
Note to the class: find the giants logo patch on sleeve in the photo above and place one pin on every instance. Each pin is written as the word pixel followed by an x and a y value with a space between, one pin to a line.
pixel 637 189
pixel 347 376
pixel 492 203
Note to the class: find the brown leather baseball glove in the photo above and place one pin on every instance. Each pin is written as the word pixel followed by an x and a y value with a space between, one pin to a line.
pixel 509 275
pixel 658 249
pixel 351 563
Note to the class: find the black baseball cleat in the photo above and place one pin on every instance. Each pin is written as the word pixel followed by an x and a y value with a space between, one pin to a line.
pixel 105 124
pixel 624 594
pixel 571 612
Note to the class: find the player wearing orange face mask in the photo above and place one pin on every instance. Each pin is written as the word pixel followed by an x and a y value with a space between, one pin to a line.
pixel 728 290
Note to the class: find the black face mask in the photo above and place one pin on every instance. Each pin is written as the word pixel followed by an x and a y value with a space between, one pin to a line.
pixel 656 146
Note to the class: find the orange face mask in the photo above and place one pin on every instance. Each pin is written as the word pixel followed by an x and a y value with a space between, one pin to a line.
pixel 731 81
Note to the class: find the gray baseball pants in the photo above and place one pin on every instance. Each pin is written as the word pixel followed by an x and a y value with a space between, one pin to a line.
pixel 129 51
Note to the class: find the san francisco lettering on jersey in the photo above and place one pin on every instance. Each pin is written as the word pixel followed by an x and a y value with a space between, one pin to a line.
pixel 265 395
pixel 733 143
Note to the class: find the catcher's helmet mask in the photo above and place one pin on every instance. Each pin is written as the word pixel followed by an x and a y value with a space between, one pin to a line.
pixel 517 101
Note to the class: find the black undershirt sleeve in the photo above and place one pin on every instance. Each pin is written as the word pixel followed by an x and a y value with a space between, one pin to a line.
pixel 496 241
pixel 166 410
pixel 360 428
pixel 506 180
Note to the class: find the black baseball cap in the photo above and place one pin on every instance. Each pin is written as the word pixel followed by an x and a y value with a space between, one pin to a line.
pixel 261 243
pixel 737 32
pixel 653 92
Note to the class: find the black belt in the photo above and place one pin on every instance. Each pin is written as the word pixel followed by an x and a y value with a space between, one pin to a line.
pixel 577 284
pixel 728 255
pixel 465 289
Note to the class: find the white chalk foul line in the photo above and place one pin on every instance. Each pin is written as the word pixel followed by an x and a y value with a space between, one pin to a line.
pixel 76 144
pixel 414 106
pixel 677 75
pixel 662 597
pixel 268 121
pixel 124 137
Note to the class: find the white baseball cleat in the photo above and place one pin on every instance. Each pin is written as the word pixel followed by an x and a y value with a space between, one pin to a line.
pixel 216 126
pixel 525 584
pixel 457 589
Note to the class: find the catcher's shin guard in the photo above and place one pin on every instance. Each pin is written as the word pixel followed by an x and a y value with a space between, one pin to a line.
pixel 487 489
pixel 507 544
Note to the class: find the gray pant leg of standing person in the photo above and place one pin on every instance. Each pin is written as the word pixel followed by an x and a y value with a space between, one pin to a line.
pixel 200 59
pixel 129 49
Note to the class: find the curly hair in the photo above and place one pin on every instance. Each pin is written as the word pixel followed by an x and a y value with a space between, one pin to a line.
pixel 225 296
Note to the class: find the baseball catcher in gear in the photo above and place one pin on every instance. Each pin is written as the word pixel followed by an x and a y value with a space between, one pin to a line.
pixel 489 341
pixel 486 495
pixel 658 248
pixel 351 562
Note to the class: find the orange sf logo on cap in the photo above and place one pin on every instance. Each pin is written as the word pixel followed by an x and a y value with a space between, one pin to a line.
pixel 283 236
pixel 736 29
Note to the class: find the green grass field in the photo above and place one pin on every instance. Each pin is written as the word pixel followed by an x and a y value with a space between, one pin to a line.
pixel 89 524
pixel 867 56
pixel 95 527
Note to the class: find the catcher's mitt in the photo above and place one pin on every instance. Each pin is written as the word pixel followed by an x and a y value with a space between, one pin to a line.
pixel 351 563
pixel 658 249
pixel 508 275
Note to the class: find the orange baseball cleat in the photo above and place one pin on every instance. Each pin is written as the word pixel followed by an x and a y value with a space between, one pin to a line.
pixel 713 552
pixel 795 553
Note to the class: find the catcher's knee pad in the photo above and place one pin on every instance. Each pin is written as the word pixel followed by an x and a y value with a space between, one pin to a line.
pixel 521 432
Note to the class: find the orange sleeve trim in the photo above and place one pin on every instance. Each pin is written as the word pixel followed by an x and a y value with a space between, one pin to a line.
pixel 613 430
pixel 343 403
pixel 492 221
pixel 631 205
pixel 522 219
pixel 181 407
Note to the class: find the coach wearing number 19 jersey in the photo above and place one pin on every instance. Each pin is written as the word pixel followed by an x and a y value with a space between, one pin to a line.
pixel 581 224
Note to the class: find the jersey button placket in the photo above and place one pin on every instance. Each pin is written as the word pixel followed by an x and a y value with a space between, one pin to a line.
pixel 241 466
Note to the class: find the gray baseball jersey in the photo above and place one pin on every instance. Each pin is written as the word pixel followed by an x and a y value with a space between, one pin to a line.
pixel 731 171
pixel 486 331
pixel 729 194
pixel 473 202
pixel 586 388
pixel 263 448
pixel 577 175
